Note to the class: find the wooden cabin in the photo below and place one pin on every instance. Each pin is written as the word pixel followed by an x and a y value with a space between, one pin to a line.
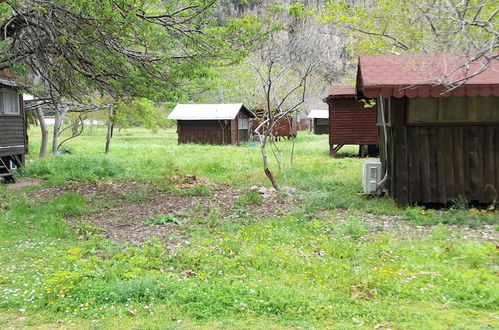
pixel 212 123
pixel 350 121
pixel 13 128
pixel 319 121
pixel 303 124
pixel 442 144
pixel 286 128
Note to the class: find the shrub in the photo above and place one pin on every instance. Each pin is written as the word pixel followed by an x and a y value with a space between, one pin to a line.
pixel 160 220
pixel 249 198
pixel 354 228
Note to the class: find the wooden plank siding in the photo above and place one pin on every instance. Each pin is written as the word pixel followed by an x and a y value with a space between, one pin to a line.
pixel 234 131
pixel 351 123
pixel 320 129
pixel 285 128
pixel 13 134
pixel 204 131
pixel 440 164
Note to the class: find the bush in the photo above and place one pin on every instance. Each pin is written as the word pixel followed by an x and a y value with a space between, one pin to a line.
pixel 354 228
pixel 249 198
pixel 160 220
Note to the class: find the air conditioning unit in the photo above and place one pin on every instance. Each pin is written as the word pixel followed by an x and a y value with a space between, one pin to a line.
pixel 372 175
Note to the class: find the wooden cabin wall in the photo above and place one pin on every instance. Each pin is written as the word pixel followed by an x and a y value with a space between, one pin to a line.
pixel 204 131
pixel 304 125
pixel 234 131
pixel 351 123
pixel 441 163
pixel 285 128
pixel 320 129
pixel 13 134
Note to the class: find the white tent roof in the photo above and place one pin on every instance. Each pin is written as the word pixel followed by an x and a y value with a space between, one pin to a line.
pixel 319 114
pixel 208 111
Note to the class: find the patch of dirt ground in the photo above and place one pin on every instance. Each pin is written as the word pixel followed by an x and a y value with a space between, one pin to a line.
pixel 122 219
pixel 21 183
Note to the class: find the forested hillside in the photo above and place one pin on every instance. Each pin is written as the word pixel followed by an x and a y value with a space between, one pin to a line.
pixel 335 32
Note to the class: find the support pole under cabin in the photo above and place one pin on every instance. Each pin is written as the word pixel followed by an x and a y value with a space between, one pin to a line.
pixel 334 150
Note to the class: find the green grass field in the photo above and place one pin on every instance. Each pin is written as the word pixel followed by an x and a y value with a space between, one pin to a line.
pixel 333 261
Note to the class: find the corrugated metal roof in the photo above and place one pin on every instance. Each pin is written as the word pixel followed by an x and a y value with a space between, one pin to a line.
pixel 7 81
pixel 337 91
pixel 421 76
pixel 319 114
pixel 208 111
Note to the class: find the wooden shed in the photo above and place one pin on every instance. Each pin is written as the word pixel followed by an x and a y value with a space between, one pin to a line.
pixel 442 144
pixel 350 121
pixel 286 128
pixel 212 123
pixel 319 121
pixel 13 127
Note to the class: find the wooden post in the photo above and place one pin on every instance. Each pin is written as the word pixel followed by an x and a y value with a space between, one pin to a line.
pixel 334 150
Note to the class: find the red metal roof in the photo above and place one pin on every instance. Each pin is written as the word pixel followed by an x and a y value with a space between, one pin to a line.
pixel 338 92
pixel 426 75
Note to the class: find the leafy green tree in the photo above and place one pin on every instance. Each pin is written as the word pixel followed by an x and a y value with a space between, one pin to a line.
pixel 140 112
pixel 69 49
pixel 420 26
pixel 117 47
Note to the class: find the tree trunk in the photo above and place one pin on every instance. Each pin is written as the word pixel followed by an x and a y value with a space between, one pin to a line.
pixel 268 173
pixel 110 127
pixel 293 149
pixel 57 126
pixel 45 132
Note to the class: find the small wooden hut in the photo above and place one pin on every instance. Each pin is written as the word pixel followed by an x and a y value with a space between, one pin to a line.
pixel 302 121
pixel 286 128
pixel 319 121
pixel 441 145
pixel 350 121
pixel 13 127
pixel 212 123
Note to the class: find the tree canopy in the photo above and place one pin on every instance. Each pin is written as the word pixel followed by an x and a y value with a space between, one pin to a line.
pixel 117 47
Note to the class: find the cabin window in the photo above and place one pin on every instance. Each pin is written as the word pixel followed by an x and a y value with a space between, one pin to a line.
pixel 9 103
pixel 453 110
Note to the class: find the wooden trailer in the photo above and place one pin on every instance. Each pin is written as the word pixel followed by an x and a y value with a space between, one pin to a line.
pixel 441 145
pixel 319 121
pixel 13 128
pixel 350 121
pixel 212 123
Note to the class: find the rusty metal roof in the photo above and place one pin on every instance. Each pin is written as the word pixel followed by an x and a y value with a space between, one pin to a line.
pixel 319 114
pixel 425 75
pixel 7 79
pixel 337 92
pixel 208 111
